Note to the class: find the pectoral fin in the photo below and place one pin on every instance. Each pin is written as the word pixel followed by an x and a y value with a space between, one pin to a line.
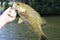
pixel 20 20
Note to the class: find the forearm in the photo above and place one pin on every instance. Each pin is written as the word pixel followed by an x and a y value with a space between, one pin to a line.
pixel 2 21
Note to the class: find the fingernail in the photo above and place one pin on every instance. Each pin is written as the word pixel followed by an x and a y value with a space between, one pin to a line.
pixel 9 11
pixel 8 14
pixel 10 7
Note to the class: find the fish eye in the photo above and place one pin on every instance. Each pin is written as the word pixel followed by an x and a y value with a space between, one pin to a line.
pixel 17 4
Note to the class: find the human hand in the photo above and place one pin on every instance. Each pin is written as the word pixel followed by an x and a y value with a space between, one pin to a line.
pixel 9 15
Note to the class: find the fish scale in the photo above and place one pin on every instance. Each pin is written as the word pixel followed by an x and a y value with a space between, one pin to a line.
pixel 32 17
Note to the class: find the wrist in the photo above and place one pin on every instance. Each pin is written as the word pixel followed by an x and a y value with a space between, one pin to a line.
pixel 2 20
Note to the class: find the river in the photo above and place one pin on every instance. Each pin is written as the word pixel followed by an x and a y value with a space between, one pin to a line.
pixel 15 31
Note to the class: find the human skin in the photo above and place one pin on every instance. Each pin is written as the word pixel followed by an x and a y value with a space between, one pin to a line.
pixel 7 16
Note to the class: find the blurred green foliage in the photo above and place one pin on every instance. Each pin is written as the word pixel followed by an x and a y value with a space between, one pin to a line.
pixel 5 5
pixel 42 6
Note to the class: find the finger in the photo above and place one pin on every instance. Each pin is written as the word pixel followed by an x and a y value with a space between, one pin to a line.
pixel 10 16
pixel 13 12
pixel 7 10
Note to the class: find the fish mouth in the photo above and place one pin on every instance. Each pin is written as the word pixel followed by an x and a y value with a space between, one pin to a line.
pixel 17 11
pixel 14 7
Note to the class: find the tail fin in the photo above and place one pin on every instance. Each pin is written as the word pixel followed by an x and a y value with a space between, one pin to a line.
pixel 43 22
pixel 43 37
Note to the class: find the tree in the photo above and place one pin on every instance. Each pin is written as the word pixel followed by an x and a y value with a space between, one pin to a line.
pixel 6 4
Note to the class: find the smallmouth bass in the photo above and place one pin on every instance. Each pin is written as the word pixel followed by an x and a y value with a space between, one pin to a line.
pixel 31 17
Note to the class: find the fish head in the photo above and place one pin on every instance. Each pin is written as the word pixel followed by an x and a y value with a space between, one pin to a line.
pixel 19 7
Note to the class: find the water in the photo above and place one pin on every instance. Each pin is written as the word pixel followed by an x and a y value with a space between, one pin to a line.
pixel 0 12
pixel 15 31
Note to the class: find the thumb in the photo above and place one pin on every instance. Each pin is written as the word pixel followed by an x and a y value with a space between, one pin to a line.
pixel 7 10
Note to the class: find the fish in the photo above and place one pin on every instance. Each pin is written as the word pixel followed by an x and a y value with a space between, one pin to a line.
pixel 31 17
